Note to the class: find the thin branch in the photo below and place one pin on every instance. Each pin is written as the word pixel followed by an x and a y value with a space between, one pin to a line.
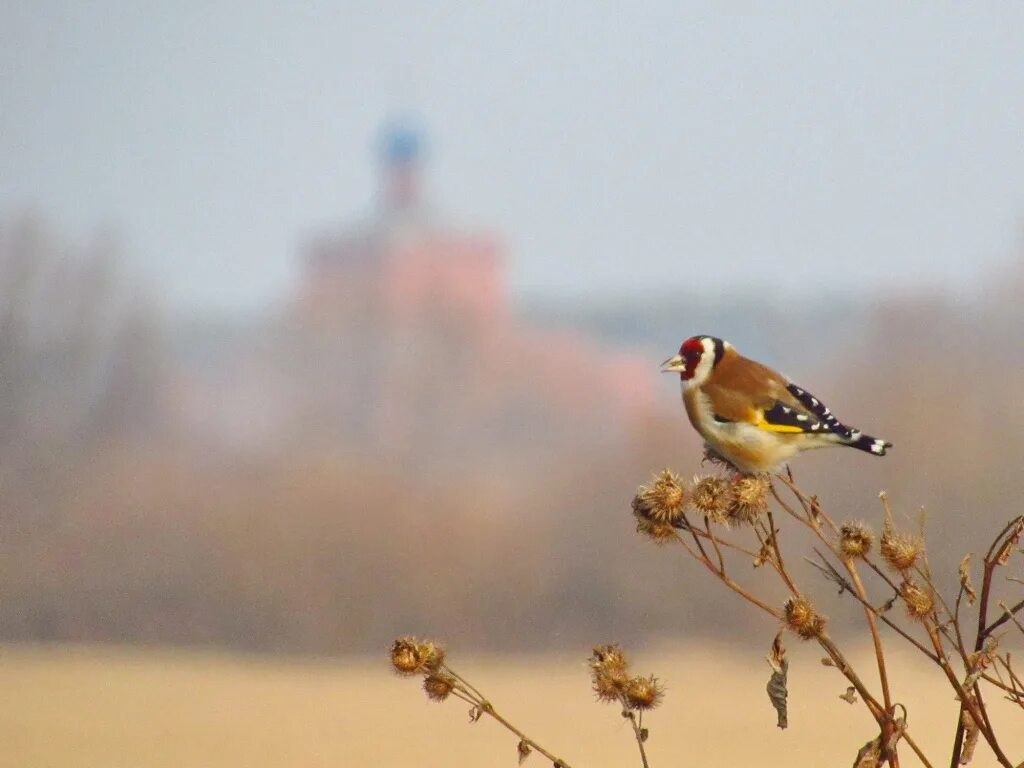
pixel 960 644
pixel 967 701
pixel 1017 691
pixel 1004 539
pixel 693 532
pixel 465 682
pixel 474 697
pixel 703 559
pixel 637 730
pixel 778 553
pixel 869 614
pixel 832 574
pixel 701 533
pixel 813 511
pixel 714 541
pixel 843 666
pixel 1008 614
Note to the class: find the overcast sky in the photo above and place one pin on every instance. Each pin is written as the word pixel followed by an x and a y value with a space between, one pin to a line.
pixel 843 146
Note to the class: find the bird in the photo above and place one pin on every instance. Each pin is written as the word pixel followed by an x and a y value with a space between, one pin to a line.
pixel 752 416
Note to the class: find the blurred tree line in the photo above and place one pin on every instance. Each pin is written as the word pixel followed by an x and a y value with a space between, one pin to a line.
pixel 122 521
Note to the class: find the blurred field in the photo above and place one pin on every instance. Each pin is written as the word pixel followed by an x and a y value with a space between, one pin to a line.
pixel 123 707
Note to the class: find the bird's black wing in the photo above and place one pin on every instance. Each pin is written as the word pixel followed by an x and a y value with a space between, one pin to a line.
pixel 782 417
pixel 807 416
pixel 828 422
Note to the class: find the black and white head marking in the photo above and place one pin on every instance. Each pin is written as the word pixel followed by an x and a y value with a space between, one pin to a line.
pixel 714 350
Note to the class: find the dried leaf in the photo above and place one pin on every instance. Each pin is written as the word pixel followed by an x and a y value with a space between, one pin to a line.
pixel 965 579
pixel 777 692
pixel 980 661
pixel 899 727
pixel 887 606
pixel 524 750
pixel 971 733
pixel 475 713
pixel 1011 542
pixel 870 755
pixel 815 506
pixel 764 556
pixel 777 654
pixel 644 733
pixel 884 498
pixel 850 697
pixel 827 662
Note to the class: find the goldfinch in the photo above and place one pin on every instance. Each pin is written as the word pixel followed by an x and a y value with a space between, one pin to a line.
pixel 749 414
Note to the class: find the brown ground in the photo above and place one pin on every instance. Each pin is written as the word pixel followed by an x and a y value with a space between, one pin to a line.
pixel 142 709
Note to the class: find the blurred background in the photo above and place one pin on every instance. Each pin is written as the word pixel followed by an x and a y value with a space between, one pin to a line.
pixel 324 324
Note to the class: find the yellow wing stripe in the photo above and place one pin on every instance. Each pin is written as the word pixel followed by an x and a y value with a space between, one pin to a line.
pixel 769 427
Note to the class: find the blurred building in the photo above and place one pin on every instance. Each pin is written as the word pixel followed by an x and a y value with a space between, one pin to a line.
pixel 403 265
pixel 411 316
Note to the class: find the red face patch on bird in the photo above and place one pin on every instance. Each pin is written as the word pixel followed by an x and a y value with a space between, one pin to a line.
pixel 692 346
pixel 692 350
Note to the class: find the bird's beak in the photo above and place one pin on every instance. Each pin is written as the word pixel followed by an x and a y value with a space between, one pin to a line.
pixel 673 365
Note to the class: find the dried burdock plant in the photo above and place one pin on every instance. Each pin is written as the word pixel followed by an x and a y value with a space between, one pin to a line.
pixel 749 499
pixel 643 693
pixel 919 601
pixel 802 619
pixel 900 550
pixel 855 540
pixel 712 497
pixel 932 626
pixel 664 499
pixel 719 519
pixel 613 683
pixel 405 656
pixel 647 522
pixel 610 676
pixel 410 656
pixel 438 686
pixel 609 672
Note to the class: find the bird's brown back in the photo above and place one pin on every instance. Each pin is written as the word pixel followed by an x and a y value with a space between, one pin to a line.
pixel 740 388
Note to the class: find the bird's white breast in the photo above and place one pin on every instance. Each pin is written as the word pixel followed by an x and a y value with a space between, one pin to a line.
pixel 748 447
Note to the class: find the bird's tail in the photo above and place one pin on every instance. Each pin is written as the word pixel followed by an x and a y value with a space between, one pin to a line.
pixel 867 443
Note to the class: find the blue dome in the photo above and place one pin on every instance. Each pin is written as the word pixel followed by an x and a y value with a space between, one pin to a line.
pixel 402 142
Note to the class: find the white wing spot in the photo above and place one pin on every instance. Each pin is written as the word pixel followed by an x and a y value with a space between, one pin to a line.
pixel 786 409
pixel 801 417
pixel 815 401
